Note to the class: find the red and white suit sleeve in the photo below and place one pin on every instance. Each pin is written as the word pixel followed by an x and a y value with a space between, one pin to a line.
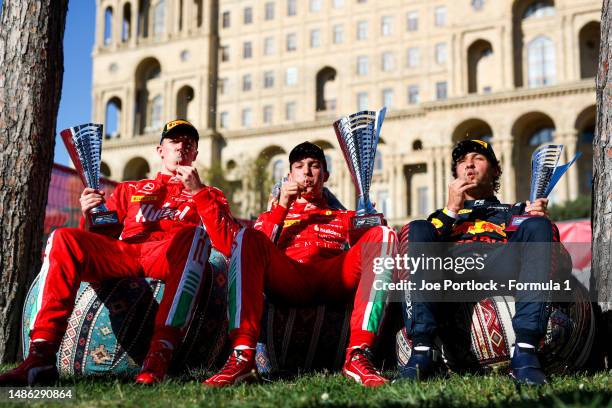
pixel 271 222
pixel 217 218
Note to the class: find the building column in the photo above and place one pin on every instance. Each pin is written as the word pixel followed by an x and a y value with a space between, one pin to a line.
pixel 571 144
pixel 134 22
pixel 431 183
pixel 446 172
pixel 439 169
pixel 396 188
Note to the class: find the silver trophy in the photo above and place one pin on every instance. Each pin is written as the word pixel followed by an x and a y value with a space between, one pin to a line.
pixel 358 136
pixel 84 145
pixel 545 174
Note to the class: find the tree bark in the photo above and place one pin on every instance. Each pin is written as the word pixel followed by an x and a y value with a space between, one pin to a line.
pixel 31 70
pixel 601 266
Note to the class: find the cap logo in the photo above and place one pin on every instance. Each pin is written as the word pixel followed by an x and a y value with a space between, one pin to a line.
pixel 482 143
pixel 174 123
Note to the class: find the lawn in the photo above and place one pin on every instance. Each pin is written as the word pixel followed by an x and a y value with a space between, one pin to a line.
pixel 325 389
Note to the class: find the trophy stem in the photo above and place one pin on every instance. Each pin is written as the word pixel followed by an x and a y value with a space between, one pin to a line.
pixel 364 205
pixel 99 209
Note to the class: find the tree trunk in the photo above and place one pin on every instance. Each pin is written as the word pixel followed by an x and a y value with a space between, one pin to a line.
pixel 602 175
pixel 31 69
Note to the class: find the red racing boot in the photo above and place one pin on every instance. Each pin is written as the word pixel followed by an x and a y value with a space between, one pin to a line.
pixel 39 368
pixel 358 366
pixel 155 365
pixel 239 367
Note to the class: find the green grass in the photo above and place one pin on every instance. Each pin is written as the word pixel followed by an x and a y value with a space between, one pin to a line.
pixel 325 389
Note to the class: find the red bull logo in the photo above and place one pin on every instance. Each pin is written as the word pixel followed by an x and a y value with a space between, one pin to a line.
pixel 480 227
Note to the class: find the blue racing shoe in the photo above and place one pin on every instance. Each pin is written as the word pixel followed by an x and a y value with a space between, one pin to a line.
pixel 525 367
pixel 420 366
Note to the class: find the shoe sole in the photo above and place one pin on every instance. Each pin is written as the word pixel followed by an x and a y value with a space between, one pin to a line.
pixel 245 378
pixel 357 378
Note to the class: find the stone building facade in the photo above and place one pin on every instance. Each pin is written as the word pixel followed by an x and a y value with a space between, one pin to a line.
pixel 258 77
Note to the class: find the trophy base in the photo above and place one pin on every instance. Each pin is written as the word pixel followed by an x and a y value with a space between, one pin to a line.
pixel 104 222
pixel 516 221
pixel 367 221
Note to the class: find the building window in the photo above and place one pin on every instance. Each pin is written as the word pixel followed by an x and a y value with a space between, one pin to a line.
pixel 225 20
pixel 413 94
pixel 157 113
pixel 108 25
pixel 338 34
pixel 387 96
pixel 291 42
pixel 268 45
pixel 337 4
pixel 441 53
pixel 362 30
pixel 248 15
pixel 541 136
pixel 422 200
pixel 413 57
pixel 540 8
pixel 362 101
pixel 362 65
pixel 269 11
pixel 441 91
pixel 378 163
pixel 477 4
pixel 222 86
pixel 383 202
pixel 412 21
pixel 290 111
pixel 541 62
pixel 267 114
pixel 247 118
pixel 388 62
pixel 126 27
pixel 291 7
pixel 225 55
pixel 247 50
pixel 386 26
pixel 159 19
pixel 291 76
pixel 315 38
pixel 440 16
pixel 315 6
pixel 247 82
pixel 268 79
pixel 223 120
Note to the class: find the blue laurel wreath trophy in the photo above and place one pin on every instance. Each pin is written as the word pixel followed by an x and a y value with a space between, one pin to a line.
pixel 84 145
pixel 358 135
pixel 545 174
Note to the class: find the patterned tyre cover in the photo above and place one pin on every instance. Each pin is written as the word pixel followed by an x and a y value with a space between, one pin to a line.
pixel 302 339
pixel 111 325
pixel 566 346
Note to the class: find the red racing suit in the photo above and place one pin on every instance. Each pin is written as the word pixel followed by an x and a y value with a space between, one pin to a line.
pixel 299 256
pixel 162 238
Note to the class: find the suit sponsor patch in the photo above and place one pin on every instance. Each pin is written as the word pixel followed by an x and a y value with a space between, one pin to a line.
pixel 141 198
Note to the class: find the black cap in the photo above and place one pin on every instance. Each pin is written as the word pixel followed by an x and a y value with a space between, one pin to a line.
pixel 479 146
pixel 175 126
pixel 307 150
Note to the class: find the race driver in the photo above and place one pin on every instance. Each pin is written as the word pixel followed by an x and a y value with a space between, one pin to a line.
pixel 161 238
pixel 473 215
pixel 296 255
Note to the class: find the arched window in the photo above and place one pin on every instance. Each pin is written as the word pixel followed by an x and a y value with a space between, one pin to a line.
pixel 541 62
pixel 148 84
pixel 105 170
pixel 112 124
pixel 326 89
pixel 417 145
pixel 157 112
pixel 589 49
pixel 159 19
pixel 541 136
pixel 185 103
pixel 108 25
pixel 538 9
pixel 199 15
pixel 126 27
pixel 481 73
pixel 143 18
